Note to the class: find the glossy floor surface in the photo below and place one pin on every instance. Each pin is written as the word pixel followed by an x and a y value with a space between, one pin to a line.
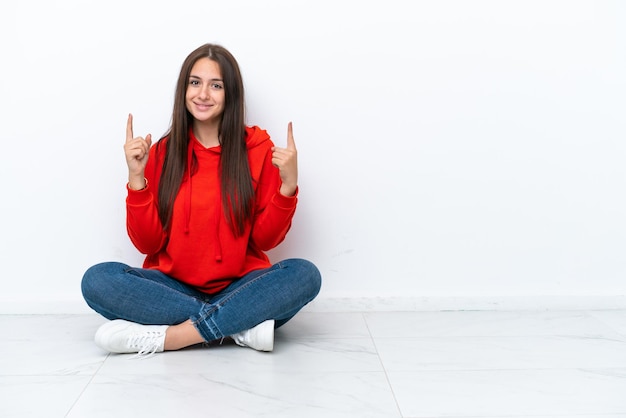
pixel 378 364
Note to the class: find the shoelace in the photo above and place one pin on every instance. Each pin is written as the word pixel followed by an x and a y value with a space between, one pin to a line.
pixel 146 343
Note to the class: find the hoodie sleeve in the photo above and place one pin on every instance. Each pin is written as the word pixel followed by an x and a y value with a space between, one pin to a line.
pixel 274 212
pixel 142 218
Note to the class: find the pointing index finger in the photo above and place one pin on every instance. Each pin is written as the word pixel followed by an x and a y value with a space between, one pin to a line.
pixel 291 144
pixel 129 128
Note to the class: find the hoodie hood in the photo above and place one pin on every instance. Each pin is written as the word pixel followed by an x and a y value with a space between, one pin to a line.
pixel 255 136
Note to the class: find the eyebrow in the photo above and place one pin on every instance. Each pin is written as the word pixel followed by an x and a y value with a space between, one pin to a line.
pixel 200 78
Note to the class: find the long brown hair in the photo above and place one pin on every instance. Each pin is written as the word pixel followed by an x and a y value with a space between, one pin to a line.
pixel 235 178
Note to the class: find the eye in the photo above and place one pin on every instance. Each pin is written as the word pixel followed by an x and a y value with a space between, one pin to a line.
pixel 194 83
pixel 217 86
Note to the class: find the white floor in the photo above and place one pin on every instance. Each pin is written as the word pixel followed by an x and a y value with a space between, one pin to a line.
pixel 385 364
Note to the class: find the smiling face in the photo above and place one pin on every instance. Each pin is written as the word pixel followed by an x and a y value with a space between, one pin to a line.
pixel 205 96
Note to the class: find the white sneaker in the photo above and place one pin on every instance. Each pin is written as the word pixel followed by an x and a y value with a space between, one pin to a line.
pixel 260 338
pixel 121 336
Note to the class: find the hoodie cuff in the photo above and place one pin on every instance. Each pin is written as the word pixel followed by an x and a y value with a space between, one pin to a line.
pixel 286 202
pixel 138 197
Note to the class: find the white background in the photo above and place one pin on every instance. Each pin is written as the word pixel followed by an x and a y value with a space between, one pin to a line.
pixel 452 154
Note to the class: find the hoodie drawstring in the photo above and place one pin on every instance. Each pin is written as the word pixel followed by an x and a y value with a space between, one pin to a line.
pixel 218 242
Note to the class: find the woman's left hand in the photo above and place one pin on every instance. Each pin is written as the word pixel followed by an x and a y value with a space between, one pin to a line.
pixel 286 160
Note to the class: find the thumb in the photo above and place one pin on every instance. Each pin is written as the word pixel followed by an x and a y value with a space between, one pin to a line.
pixel 149 139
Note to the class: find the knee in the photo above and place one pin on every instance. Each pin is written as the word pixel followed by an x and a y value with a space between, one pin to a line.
pixel 316 278
pixel 95 276
pixel 310 276
pixel 89 283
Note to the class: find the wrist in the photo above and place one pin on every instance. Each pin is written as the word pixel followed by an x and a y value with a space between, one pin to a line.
pixel 288 190
pixel 137 184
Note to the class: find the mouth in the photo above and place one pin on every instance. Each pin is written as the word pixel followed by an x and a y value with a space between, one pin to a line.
pixel 203 107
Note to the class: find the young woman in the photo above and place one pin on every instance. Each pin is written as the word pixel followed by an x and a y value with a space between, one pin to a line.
pixel 204 204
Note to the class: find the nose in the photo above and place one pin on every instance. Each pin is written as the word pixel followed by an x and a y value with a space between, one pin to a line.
pixel 205 91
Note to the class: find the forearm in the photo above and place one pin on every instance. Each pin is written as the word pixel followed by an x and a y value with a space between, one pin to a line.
pixel 142 221
pixel 272 224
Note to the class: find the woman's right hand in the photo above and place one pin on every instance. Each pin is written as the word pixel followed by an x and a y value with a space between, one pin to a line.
pixel 137 151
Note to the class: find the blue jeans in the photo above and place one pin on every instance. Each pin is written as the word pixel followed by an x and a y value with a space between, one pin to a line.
pixel 149 297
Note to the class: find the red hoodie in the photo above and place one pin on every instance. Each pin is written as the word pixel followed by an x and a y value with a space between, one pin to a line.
pixel 200 248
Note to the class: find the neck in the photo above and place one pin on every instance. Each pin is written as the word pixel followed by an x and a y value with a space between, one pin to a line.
pixel 208 135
